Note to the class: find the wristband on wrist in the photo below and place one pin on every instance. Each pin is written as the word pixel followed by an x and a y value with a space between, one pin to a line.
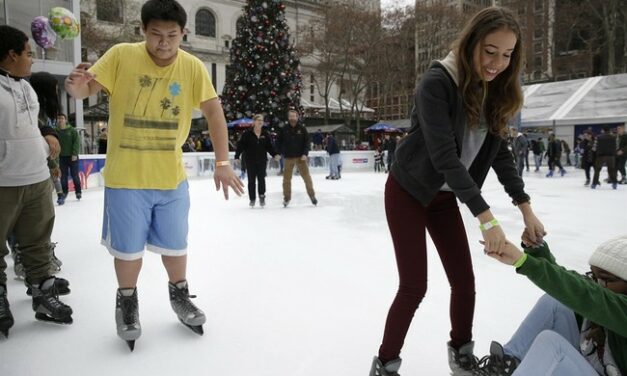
pixel 520 261
pixel 488 225
pixel 223 163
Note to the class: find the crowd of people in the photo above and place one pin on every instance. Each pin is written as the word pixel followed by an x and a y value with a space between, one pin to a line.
pixel 458 133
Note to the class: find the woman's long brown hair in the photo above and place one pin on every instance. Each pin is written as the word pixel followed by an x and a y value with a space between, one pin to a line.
pixel 500 99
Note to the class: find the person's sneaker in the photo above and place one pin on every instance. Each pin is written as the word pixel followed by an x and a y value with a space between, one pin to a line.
pixel 314 201
pixel 462 361
pixel 497 363
pixel 388 369
pixel 262 200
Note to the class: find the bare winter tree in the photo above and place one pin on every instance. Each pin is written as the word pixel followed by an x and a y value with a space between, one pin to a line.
pixel 611 15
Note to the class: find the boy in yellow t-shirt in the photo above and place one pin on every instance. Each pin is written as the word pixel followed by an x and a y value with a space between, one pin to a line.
pixel 153 87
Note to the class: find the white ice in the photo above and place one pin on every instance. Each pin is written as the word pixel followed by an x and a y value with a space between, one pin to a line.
pixel 302 291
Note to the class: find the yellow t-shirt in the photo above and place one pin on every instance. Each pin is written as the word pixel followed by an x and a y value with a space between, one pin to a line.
pixel 150 113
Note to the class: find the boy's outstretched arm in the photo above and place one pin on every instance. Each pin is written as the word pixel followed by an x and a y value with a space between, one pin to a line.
pixel 224 174
pixel 81 83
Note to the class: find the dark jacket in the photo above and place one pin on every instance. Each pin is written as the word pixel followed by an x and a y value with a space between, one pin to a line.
pixel 69 140
pixel 429 155
pixel 622 143
pixel 390 145
pixel 293 142
pixel 586 150
pixel 605 145
pixel 554 149
pixel 332 147
pixel 585 297
pixel 255 149
pixel 537 146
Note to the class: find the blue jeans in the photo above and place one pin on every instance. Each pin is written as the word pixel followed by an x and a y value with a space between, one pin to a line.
pixel 334 162
pixel 547 342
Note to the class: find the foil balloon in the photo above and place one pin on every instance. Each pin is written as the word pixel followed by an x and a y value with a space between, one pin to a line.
pixel 64 23
pixel 42 33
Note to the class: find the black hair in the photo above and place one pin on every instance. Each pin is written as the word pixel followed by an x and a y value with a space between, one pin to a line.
pixel 62 114
pixel 606 128
pixel 47 88
pixel 163 10
pixel 11 39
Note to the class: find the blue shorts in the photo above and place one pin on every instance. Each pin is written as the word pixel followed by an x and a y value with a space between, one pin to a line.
pixel 135 219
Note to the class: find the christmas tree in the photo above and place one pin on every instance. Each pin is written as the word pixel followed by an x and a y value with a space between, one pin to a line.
pixel 264 75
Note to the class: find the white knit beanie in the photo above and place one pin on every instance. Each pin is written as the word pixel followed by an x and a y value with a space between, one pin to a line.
pixel 612 257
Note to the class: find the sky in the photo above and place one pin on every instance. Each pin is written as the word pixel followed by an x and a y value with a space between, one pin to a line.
pixel 297 291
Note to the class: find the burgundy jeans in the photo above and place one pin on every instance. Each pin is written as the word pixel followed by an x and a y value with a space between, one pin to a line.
pixel 408 220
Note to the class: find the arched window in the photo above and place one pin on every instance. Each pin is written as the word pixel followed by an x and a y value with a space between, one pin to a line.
pixel 205 23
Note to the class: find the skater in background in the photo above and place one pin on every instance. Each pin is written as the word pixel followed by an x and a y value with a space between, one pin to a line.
pixel 537 146
pixel 621 153
pixel 587 154
pixel 68 158
pixel 578 327
pixel 604 149
pixel 378 160
pixel 520 148
pixel 554 156
pixel 254 145
pixel 333 149
pixel 293 144
pixel 145 204
pixel 26 205
pixel 446 156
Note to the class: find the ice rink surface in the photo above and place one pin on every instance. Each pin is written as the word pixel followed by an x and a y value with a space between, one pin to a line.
pixel 302 291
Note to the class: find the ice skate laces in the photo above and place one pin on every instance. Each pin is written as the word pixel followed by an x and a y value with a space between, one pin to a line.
pixel 129 307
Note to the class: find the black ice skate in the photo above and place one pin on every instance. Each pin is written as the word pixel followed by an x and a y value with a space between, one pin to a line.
pixel 127 316
pixel 388 369
pixel 6 318
pixel 47 305
pixel 61 284
pixel 190 315
pixel 497 363
pixel 262 200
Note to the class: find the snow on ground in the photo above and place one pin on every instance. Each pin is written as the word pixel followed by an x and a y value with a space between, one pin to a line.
pixel 301 291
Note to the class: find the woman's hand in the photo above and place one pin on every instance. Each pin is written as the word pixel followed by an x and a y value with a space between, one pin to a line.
pixel 509 253
pixel 534 233
pixel 493 239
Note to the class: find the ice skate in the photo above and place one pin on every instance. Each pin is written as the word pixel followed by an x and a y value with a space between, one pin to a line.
pixel 388 369
pixel 61 284
pixel 190 315
pixel 462 361
pixel 127 316
pixel 6 318
pixel 262 200
pixel 497 363
pixel 47 305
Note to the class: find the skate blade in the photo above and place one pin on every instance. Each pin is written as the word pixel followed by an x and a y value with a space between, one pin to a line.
pixel 45 318
pixel 194 328
pixel 131 345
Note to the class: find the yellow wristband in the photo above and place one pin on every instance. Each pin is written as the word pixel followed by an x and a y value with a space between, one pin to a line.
pixel 223 163
pixel 488 225
pixel 520 261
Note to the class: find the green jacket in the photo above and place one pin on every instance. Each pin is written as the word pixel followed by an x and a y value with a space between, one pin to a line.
pixel 585 297
pixel 70 142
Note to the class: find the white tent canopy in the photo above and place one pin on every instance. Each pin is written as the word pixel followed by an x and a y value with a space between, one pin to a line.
pixel 595 100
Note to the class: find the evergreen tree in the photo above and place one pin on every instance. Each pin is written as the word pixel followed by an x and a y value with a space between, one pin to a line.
pixel 264 76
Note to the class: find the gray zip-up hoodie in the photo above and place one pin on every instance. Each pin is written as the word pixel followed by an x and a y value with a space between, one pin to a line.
pixel 23 150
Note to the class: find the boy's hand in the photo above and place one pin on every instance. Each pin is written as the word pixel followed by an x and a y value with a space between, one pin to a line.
pixel 53 145
pixel 80 75
pixel 225 176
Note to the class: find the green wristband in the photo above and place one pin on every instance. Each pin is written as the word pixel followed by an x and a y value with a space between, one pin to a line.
pixel 488 225
pixel 520 261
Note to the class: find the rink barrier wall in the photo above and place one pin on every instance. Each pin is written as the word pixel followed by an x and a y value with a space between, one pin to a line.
pixel 203 164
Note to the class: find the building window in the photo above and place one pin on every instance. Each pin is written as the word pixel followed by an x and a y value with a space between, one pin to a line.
pixel 227 43
pixel 539 5
pixel 537 32
pixel 537 47
pixel 537 62
pixel 205 23
pixel 109 11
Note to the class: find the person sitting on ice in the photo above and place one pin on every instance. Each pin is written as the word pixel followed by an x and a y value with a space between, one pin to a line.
pixel 579 327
